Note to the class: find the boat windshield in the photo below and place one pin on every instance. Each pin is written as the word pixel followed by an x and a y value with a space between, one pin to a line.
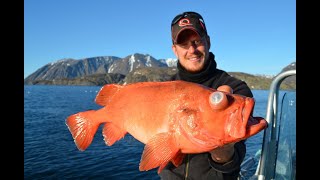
pixel 286 150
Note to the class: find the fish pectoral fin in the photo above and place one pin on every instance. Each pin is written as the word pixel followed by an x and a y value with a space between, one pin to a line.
pixel 177 160
pixel 106 93
pixel 112 133
pixel 158 152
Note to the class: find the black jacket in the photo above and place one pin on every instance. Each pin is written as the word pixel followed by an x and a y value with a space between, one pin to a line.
pixel 201 166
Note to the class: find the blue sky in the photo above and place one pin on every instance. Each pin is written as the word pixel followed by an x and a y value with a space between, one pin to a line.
pixel 251 36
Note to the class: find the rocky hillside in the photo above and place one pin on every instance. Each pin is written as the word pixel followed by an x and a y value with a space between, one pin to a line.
pixel 133 68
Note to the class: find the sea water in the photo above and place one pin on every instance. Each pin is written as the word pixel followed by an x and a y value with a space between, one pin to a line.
pixel 49 150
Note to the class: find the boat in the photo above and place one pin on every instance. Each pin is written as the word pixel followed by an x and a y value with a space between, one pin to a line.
pixel 277 155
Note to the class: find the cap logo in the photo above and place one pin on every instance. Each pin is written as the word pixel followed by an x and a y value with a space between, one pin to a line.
pixel 184 22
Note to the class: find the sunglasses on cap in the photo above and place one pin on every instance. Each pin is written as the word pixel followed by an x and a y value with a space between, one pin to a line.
pixel 186 14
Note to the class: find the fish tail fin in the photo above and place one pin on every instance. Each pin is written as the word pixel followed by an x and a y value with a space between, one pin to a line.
pixel 106 93
pixel 81 129
pixel 112 133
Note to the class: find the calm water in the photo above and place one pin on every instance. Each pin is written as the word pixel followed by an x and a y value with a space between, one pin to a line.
pixel 49 150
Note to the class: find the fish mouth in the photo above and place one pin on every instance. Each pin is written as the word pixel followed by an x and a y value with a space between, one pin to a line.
pixel 253 124
pixel 240 120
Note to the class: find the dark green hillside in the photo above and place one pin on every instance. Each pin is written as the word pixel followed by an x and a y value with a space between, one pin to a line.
pixel 262 82
pixel 254 82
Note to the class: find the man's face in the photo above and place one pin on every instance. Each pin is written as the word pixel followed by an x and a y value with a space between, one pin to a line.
pixel 192 50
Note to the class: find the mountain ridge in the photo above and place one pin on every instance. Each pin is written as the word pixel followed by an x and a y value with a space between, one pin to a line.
pixel 136 67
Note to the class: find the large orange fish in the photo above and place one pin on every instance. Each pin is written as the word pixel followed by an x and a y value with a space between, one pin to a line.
pixel 171 118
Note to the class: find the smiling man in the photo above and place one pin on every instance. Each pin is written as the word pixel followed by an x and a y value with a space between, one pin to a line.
pixel 197 64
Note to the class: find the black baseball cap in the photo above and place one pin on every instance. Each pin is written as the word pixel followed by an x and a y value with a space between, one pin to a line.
pixel 187 20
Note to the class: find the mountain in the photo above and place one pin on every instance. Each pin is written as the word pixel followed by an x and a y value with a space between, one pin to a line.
pixel 133 68
pixel 71 68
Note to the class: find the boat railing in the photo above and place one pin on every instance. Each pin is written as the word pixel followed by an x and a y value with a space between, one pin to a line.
pixel 267 163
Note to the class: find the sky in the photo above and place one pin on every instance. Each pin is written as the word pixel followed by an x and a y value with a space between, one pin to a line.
pixel 250 36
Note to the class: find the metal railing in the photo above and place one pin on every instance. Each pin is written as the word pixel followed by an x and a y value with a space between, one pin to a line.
pixel 266 166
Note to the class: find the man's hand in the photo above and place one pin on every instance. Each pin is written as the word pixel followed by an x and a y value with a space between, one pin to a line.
pixel 223 154
pixel 225 88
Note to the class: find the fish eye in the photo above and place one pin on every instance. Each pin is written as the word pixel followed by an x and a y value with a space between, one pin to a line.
pixel 218 100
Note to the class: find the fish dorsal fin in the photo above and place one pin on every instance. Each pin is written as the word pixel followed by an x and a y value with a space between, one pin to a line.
pixel 159 150
pixel 106 93
pixel 112 133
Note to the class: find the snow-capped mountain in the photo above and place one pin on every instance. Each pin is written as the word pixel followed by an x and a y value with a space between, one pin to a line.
pixel 72 68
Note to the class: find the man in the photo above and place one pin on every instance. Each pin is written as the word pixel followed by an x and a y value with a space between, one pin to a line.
pixel 191 45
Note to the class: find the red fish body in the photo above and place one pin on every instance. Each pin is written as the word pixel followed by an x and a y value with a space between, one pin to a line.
pixel 171 118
